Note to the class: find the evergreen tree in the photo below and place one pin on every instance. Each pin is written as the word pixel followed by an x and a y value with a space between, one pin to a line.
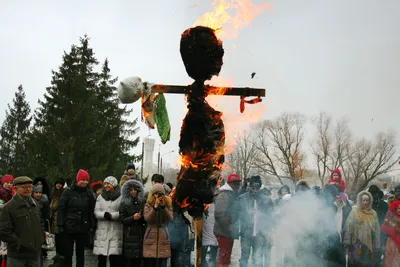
pixel 79 123
pixel 13 136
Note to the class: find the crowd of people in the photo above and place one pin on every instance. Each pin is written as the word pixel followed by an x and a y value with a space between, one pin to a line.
pixel 126 225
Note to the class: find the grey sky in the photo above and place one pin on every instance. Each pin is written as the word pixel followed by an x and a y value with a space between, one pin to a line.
pixel 338 56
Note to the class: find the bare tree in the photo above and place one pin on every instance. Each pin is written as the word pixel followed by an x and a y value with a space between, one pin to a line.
pixel 369 160
pixel 278 143
pixel 241 160
pixel 331 144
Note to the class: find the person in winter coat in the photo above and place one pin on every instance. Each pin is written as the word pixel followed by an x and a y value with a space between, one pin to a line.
pixel 181 243
pixel 97 188
pixel 283 191
pixel 381 209
pixel 332 249
pixel 336 178
pixel 6 189
pixel 379 205
pixel 134 225
pixel 249 210
pixel 210 243
pixel 6 194
pixel 391 227
pixel 131 172
pixel 75 218
pixel 362 233
pixel 45 185
pixel 20 226
pixel 44 207
pixel 157 213
pixel 108 237
pixel 55 198
pixel 266 220
pixel 226 227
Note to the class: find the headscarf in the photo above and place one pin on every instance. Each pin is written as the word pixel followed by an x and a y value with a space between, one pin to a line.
pixel 391 226
pixel 366 215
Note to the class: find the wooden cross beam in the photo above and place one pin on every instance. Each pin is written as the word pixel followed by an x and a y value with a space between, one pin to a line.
pixel 212 90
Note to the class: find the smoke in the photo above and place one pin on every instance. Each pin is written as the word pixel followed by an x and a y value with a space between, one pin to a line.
pixel 301 230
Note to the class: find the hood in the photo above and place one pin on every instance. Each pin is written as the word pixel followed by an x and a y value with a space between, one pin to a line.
pixel 338 172
pixel 359 199
pixel 226 187
pixel 281 189
pixel 167 189
pixel 127 187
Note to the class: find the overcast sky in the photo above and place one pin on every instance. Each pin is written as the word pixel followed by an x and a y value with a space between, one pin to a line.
pixel 337 56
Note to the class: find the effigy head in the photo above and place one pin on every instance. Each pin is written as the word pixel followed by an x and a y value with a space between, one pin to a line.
pixel 201 52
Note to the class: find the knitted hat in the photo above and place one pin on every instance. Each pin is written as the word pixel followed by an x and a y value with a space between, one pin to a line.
pixel 59 181
pixel 157 188
pixel 22 180
pixel 37 188
pixel 82 176
pixel 7 178
pixel 233 178
pixel 96 185
pixel 130 166
pixel 111 180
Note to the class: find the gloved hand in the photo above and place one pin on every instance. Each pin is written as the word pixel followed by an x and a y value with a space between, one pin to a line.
pixel 107 216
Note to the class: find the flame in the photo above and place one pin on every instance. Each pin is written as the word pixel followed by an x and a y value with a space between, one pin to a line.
pixel 227 26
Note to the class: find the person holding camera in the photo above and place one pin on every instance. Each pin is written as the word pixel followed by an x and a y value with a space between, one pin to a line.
pixel 157 214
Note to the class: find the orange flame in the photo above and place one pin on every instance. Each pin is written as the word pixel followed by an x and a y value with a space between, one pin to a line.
pixel 227 26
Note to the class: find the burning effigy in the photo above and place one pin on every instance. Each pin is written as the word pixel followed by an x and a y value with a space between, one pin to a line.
pixel 202 137
pixel 202 141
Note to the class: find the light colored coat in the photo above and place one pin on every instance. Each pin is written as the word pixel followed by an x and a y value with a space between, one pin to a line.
pixel 209 238
pixel 109 234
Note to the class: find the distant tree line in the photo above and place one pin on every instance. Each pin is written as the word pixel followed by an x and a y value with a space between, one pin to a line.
pixel 79 124
pixel 277 147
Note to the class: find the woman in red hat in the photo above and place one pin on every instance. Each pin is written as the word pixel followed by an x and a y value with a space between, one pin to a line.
pixel 6 194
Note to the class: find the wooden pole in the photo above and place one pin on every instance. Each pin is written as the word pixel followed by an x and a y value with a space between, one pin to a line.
pixel 212 90
pixel 198 231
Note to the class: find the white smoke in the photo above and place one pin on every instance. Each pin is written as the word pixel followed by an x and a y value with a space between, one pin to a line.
pixel 301 228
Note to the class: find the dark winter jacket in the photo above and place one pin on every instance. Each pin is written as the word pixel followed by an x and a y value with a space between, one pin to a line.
pixel 133 230
pixel 381 209
pixel 249 212
pixel 226 213
pixel 21 228
pixel 44 207
pixel 179 233
pixel 76 210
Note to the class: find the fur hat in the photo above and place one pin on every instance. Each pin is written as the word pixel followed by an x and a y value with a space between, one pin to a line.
pixel 157 188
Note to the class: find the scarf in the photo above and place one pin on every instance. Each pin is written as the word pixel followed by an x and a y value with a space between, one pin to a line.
pixel 6 195
pixel 391 226
pixel 112 195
